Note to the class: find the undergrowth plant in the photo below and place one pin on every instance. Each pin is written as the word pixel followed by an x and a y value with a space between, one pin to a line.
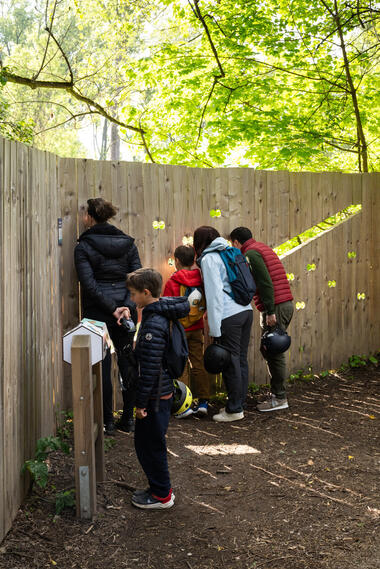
pixel 39 471
pixel 38 467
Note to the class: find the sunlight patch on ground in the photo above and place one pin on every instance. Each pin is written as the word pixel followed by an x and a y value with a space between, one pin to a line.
pixel 213 450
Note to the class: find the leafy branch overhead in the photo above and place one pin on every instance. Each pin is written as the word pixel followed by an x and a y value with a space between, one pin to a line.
pixel 280 84
pixel 70 86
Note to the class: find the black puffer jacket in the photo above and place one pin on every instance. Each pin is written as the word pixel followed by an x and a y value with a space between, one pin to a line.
pixel 103 258
pixel 152 341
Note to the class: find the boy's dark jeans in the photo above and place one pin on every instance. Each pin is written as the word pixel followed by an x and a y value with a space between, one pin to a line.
pixel 277 364
pixel 236 331
pixel 119 338
pixel 150 445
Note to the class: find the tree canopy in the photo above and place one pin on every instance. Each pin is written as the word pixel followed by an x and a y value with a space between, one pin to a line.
pixel 286 84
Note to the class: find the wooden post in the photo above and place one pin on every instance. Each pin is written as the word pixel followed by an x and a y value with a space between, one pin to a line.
pixel 84 436
pixel 98 418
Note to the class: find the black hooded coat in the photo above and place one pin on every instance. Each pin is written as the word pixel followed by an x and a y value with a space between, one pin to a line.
pixel 103 258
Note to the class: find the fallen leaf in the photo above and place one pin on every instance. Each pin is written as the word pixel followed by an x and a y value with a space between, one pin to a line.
pixel 310 462
pixel 372 416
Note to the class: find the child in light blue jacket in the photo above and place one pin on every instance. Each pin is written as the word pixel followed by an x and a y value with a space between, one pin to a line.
pixel 229 322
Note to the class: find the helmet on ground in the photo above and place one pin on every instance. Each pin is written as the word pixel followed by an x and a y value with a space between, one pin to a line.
pixel 182 398
pixel 216 358
pixel 275 341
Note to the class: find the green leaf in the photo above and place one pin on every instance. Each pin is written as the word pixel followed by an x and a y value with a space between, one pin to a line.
pixel 38 470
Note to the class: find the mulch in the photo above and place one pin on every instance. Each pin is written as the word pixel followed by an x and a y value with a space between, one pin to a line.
pixel 296 489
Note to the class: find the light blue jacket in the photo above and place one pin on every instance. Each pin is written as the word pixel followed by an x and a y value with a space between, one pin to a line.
pixel 219 303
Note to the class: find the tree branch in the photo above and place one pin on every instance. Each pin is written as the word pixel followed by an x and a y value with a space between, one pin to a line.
pixel 204 111
pixel 69 88
pixel 198 14
pixel 145 144
pixel 72 117
pixel 48 40
pixel 62 53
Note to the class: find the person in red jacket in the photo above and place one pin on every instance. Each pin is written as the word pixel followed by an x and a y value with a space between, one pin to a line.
pixel 187 281
pixel 274 300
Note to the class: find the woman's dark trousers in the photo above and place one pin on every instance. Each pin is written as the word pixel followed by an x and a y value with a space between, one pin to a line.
pixel 236 331
pixel 120 339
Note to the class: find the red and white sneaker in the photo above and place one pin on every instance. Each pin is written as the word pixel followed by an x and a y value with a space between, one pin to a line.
pixel 147 501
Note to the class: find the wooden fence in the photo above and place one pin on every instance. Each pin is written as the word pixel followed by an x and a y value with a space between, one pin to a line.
pixel 39 292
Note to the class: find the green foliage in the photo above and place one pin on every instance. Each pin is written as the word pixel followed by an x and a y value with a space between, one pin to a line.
pixel 219 397
pixel 46 445
pixel 296 376
pixel 109 443
pixel 324 374
pixel 64 424
pixel 65 499
pixel 301 375
pixel 270 92
pixel 38 470
pixel 355 361
pixel 253 388
pixel 37 467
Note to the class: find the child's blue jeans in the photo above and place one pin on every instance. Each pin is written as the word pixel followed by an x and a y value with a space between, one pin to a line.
pixel 150 445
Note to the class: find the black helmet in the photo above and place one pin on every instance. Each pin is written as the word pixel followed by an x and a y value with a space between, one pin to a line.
pixel 216 358
pixel 275 341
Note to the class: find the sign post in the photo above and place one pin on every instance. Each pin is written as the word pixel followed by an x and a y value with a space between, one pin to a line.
pixel 86 367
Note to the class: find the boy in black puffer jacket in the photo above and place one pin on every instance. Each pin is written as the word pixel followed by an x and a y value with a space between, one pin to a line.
pixel 155 386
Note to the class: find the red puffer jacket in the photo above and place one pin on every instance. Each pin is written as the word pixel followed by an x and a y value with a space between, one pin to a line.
pixel 282 292
pixel 184 277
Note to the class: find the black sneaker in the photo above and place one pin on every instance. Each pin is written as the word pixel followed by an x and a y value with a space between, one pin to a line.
pixel 147 501
pixel 125 426
pixel 109 429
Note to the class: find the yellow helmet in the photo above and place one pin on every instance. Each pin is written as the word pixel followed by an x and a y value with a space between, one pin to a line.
pixel 182 398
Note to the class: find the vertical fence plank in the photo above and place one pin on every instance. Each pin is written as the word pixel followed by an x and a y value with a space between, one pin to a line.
pixel 3 434
pixel 371 187
pixel 365 236
pixel 166 195
pixel 260 192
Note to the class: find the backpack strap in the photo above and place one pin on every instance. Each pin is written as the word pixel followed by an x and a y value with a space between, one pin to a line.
pixel 228 270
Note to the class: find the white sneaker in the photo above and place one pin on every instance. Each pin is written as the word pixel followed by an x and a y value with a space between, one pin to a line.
pixel 224 417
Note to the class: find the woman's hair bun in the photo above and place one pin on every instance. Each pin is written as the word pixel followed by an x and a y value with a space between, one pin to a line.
pixel 100 210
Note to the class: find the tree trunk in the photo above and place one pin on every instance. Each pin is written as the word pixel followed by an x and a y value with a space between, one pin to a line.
pixel 115 143
pixel 362 143
pixel 103 148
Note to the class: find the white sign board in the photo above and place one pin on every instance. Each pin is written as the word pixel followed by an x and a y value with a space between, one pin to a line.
pixel 99 339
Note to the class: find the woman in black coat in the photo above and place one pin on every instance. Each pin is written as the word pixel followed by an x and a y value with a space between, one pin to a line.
pixel 103 258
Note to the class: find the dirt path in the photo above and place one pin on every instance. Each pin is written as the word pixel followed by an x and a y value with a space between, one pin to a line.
pixel 294 490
